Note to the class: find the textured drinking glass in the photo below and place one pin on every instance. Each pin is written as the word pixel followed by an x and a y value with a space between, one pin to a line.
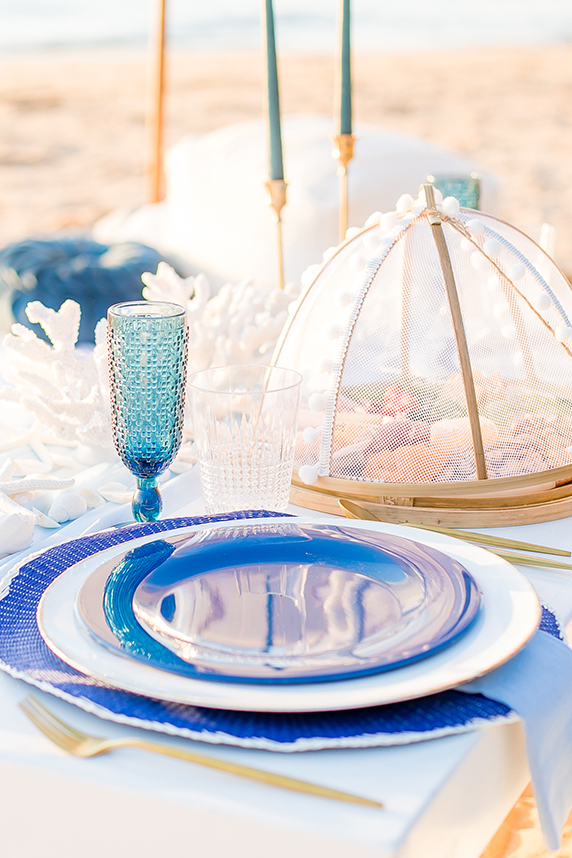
pixel 147 350
pixel 244 420
pixel 467 189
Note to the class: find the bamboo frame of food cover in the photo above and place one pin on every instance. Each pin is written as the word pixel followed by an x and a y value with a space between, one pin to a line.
pixel 485 502
pixel 453 511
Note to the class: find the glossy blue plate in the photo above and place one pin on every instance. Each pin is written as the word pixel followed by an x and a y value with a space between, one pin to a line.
pixel 287 602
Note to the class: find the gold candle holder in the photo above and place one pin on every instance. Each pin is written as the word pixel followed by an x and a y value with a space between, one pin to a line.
pixel 343 152
pixel 276 198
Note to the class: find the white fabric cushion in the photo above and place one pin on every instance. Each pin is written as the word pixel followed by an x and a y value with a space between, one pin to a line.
pixel 215 215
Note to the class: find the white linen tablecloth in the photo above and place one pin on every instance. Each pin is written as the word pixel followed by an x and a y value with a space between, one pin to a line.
pixel 442 799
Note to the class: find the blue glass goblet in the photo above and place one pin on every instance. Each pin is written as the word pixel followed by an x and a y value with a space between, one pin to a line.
pixel 147 350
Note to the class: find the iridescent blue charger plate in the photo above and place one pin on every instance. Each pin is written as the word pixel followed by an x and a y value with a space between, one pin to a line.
pixel 280 602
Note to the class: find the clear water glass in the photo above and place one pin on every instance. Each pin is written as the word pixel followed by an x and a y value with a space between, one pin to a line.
pixel 147 351
pixel 244 421
pixel 466 189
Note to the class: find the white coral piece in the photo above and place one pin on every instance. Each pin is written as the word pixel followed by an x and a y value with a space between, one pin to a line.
pixel 239 325
pixel 65 389
pixel 61 326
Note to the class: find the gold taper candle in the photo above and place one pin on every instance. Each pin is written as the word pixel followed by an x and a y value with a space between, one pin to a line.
pixel 157 102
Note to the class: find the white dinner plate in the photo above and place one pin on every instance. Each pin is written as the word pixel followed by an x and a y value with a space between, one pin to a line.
pixel 509 615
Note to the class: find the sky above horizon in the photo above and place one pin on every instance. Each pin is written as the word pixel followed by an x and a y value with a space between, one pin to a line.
pixel 302 25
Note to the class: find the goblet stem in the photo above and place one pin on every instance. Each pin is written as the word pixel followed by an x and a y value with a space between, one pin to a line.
pixel 147 502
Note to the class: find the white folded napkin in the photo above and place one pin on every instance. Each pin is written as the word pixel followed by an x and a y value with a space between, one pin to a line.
pixel 537 684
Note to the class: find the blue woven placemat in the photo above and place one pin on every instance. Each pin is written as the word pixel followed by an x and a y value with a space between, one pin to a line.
pixel 25 655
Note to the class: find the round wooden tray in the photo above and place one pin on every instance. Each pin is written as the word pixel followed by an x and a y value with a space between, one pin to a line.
pixel 526 499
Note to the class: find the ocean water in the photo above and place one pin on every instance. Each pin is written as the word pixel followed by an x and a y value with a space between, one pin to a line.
pixel 302 25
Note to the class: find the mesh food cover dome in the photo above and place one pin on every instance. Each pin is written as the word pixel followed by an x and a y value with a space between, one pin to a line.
pixel 435 346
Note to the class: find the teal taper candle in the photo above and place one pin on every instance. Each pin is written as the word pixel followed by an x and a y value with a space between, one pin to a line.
pixel 346 71
pixel 275 134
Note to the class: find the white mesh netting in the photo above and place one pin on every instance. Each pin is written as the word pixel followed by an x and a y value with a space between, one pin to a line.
pixel 384 397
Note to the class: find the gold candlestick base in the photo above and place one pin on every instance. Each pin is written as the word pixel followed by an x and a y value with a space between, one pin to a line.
pixel 276 198
pixel 343 148
pixel 343 152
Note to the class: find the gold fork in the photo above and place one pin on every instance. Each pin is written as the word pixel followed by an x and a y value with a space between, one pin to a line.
pixel 83 745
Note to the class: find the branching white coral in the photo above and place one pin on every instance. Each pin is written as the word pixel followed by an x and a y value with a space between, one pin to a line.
pixel 239 325
pixel 67 390
pixel 62 387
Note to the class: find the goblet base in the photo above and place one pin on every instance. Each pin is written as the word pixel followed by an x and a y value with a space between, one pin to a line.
pixel 147 502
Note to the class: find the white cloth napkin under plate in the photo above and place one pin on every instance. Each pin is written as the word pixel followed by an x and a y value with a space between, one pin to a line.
pixel 537 684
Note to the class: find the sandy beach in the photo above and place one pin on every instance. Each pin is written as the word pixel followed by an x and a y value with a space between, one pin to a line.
pixel 73 144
